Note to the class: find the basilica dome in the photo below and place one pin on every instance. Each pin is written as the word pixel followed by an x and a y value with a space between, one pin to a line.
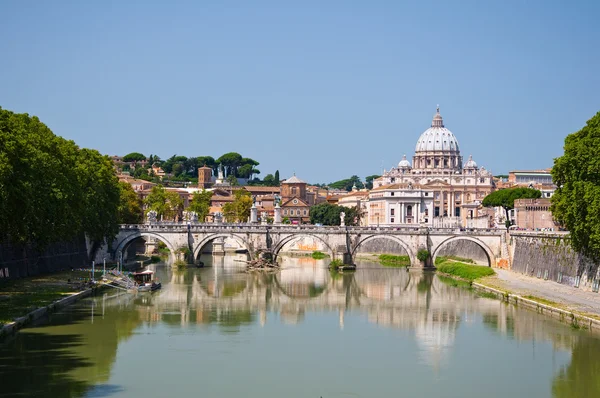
pixel 437 137
pixel 471 164
pixel 404 163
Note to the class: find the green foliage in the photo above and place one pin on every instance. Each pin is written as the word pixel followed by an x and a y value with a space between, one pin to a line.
pixel 335 264
pixel 276 181
pixel 389 260
pixel 239 209
pixel 230 161
pixel 155 259
pixel 455 258
pixel 183 250
pixel 286 220
pixel 369 181
pixel 231 179
pixel 462 270
pixel 167 204
pixel 130 205
pixel 180 265
pixel 134 157
pixel 576 202
pixel 505 198
pixel 348 183
pixel 317 255
pixel 423 254
pixel 329 214
pixel 200 204
pixel 50 189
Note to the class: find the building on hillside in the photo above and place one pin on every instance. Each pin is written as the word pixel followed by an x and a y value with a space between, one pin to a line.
pixel 534 214
pixel 136 184
pixel 457 190
pixel 294 202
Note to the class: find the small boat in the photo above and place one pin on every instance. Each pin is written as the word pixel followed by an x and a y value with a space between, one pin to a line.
pixel 200 264
pixel 145 281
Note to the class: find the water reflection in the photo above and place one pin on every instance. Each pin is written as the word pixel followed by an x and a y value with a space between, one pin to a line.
pixel 75 353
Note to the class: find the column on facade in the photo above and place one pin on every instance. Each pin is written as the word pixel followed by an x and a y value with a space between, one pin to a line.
pixel 442 203
pixel 402 213
pixel 418 214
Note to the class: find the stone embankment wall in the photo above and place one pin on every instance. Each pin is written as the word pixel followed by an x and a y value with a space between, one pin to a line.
pixel 551 257
pixel 381 246
pixel 18 262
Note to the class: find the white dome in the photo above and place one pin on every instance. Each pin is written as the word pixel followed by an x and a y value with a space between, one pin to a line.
pixel 437 137
pixel 470 163
pixel 404 164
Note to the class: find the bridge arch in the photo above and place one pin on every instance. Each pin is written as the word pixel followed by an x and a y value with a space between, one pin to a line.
pixel 393 238
pixel 124 242
pixel 281 243
pixel 488 252
pixel 204 241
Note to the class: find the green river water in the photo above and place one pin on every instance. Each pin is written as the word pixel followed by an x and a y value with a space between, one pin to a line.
pixel 300 332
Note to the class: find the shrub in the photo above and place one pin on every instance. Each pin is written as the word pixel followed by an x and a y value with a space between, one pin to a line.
pixel 465 271
pixel 335 264
pixel 423 254
pixel 155 259
pixel 317 255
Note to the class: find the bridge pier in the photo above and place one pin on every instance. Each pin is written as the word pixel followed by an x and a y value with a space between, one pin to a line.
pixel 218 247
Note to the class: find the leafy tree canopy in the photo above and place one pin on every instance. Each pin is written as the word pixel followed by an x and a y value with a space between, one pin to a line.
pixel 130 205
pixel 134 157
pixel 50 189
pixel 369 181
pixel 200 204
pixel 576 202
pixel 239 209
pixel 329 214
pixel 348 183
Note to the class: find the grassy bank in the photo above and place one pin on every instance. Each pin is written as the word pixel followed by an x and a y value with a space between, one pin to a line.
pixel 317 255
pixel 20 296
pixel 389 260
pixel 462 270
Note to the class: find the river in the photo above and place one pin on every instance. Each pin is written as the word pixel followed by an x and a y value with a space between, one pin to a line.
pixel 301 332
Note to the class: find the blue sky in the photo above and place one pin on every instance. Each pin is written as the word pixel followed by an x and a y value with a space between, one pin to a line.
pixel 326 89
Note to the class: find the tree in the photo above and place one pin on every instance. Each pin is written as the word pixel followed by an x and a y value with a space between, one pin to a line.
pixel 576 202
pixel 239 209
pixel 50 189
pixel 130 205
pixel 505 198
pixel 329 214
pixel 269 180
pixel 276 181
pixel 200 204
pixel 157 200
pixel 230 161
pixel 174 205
pixel 347 184
pixel 134 157
pixel 369 181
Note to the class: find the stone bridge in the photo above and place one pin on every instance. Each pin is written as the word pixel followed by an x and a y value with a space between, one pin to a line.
pixel 340 242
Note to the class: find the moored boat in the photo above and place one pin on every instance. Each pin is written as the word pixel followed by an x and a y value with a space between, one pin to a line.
pixel 145 281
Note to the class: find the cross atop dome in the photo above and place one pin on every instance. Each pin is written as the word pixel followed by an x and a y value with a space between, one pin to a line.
pixel 437 119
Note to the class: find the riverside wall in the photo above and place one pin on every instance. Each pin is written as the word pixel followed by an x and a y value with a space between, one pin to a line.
pixel 22 261
pixel 550 257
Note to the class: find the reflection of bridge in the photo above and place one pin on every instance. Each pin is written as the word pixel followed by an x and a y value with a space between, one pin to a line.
pixel 340 242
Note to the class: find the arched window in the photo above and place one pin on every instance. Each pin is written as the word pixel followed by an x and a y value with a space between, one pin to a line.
pixel 409 211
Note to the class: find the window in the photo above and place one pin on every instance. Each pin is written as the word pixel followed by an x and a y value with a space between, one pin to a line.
pixel 409 211
pixel 426 212
pixel 392 194
pixel 285 212
pixel 293 190
pixel 392 212
pixel 482 180
pixel 305 212
pixel 392 180
pixel 457 212
pixel 436 211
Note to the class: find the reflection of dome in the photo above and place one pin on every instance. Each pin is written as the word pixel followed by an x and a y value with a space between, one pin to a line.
pixel 437 137
pixel 470 163
pixel 404 164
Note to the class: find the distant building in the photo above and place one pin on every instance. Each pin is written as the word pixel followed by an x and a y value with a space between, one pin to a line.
pixel 205 177
pixel 534 214
pixel 294 202
pixel 437 172
pixel 358 199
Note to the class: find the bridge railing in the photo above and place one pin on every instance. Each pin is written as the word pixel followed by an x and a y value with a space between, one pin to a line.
pixel 252 227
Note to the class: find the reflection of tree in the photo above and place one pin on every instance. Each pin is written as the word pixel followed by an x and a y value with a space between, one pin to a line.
pixel 580 377
pixel 65 360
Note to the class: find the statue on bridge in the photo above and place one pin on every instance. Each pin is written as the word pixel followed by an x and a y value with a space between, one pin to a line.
pixel 342 217
pixel 151 215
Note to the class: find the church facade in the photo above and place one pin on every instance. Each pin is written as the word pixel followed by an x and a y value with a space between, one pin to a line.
pixel 437 189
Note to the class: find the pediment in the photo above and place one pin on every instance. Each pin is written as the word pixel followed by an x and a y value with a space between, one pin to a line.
pixel 437 182
pixel 298 202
